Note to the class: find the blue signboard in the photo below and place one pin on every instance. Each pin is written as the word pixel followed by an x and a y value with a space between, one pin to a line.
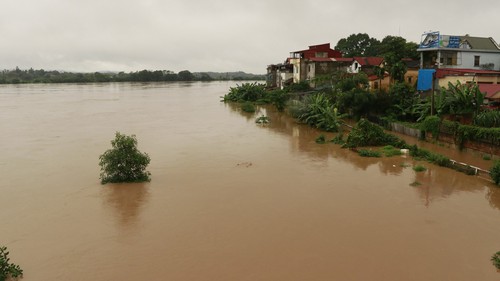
pixel 454 42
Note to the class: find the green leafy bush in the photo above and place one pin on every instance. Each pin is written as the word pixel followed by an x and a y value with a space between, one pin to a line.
pixel 495 259
pixel 495 172
pixel 488 119
pixel 262 120
pixel 245 92
pixel 124 162
pixel 431 124
pixel 248 107
pixel 368 134
pixel 321 139
pixel 7 269
pixel 338 139
pixel 318 111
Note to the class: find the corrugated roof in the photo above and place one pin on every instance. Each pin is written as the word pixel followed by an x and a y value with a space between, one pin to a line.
pixel 442 72
pixel 480 43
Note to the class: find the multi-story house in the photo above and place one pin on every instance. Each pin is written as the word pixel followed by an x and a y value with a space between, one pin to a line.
pixel 458 58
pixel 304 62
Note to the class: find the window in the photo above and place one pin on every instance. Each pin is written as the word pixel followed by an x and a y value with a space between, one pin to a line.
pixel 409 79
pixel 476 60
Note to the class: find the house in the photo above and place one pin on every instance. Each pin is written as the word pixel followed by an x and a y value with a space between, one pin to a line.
pixel 368 65
pixel 491 91
pixel 271 77
pixel 279 75
pixel 365 64
pixel 458 58
pixel 412 67
pixel 302 71
pixel 451 51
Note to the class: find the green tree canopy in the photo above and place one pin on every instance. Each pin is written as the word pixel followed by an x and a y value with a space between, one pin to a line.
pixel 186 75
pixel 124 162
pixel 394 48
pixel 360 44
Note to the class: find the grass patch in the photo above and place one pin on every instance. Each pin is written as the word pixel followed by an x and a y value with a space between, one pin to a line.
pixel 369 153
pixel 415 183
pixel 419 168
pixel 390 151
pixel 486 157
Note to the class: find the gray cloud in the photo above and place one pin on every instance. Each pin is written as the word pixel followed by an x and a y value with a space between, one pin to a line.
pixel 217 35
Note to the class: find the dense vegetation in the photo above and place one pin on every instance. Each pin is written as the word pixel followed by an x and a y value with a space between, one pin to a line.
pixel 8 269
pixel 41 76
pixel 124 162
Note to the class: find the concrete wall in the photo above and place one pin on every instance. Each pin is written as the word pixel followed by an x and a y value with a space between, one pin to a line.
pixel 443 82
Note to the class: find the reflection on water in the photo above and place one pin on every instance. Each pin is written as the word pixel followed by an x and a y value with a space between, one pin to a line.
pixel 435 183
pixel 126 201
pixel 291 210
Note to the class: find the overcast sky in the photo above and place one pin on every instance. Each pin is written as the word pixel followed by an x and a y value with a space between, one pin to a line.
pixel 214 35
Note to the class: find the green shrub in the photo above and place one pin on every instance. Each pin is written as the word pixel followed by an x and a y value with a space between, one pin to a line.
pixel 495 259
pixel 245 92
pixel 419 168
pixel 262 120
pixel 318 111
pixel 495 172
pixel 248 107
pixel 486 157
pixel 321 139
pixel 368 134
pixel 338 139
pixel 124 162
pixel 7 269
pixel 369 153
pixel 488 119
pixel 431 124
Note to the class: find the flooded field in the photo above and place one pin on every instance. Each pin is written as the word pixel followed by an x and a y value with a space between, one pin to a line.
pixel 228 200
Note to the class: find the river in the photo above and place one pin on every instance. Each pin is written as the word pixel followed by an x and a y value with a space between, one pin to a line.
pixel 228 200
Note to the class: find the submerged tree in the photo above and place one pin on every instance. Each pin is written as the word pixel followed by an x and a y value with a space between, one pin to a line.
pixel 8 269
pixel 124 162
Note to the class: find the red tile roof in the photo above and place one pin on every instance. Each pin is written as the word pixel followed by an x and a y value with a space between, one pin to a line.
pixel 489 89
pixel 370 61
pixel 322 59
pixel 344 59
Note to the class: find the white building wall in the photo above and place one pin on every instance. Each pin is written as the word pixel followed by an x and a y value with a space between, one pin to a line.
pixel 466 60
pixel 296 70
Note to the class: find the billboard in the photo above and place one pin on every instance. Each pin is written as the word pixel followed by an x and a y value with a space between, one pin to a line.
pixel 430 40
pixel 436 40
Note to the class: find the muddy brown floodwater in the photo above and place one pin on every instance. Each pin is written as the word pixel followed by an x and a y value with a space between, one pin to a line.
pixel 228 200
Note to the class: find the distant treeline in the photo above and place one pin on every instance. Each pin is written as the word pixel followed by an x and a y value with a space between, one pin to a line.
pixel 18 76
